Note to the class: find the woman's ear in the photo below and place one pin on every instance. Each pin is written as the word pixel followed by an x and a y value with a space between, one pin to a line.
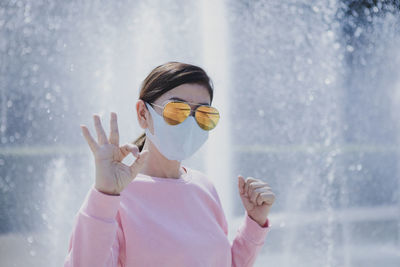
pixel 142 114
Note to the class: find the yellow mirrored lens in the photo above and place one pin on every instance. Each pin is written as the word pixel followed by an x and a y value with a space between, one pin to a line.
pixel 207 117
pixel 176 112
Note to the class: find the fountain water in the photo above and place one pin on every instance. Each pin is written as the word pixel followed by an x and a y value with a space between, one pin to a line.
pixel 307 90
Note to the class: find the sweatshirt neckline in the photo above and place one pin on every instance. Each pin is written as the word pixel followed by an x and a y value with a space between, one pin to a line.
pixel 185 178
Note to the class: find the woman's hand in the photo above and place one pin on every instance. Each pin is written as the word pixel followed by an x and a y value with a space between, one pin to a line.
pixel 112 176
pixel 257 198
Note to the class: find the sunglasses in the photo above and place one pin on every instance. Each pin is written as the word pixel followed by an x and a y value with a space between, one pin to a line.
pixel 175 112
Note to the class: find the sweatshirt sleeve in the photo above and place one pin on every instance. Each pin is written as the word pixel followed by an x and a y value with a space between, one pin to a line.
pixel 97 236
pixel 249 238
pixel 248 242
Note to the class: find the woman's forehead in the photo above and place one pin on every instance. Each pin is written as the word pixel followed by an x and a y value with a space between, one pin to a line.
pixel 189 93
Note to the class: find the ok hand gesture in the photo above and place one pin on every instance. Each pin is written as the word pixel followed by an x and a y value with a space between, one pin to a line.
pixel 112 176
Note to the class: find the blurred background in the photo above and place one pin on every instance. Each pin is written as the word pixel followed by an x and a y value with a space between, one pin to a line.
pixel 309 94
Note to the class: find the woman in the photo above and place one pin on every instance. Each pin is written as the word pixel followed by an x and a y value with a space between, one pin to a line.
pixel 158 212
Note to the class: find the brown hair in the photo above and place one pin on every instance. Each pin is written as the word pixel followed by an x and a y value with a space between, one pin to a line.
pixel 166 77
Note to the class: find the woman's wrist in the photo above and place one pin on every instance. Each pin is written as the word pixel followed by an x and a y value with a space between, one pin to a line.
pixel 106 193
pixel 266 224
pixel 263 224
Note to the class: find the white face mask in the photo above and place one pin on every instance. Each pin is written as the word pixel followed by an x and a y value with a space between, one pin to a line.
pixel 176 142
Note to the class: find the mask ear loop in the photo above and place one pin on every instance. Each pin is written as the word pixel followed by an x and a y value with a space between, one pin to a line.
pixel 148 107
pixel 151 105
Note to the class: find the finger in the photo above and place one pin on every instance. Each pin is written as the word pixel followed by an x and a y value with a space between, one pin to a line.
pixel 247 204
pixel 101 135
pixel 241 184
pixel 89 139
pixel 249 180
pixel 114 134
pixel 254 194
pixel 255 185
pixel 129 148
pixel 138 163
pixel 267 198
pixel 134 150
pixel 259 200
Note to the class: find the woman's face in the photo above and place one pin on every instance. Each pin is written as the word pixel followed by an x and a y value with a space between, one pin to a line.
pixel 188 92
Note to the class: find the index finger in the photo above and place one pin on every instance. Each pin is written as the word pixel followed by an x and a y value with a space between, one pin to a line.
pixel 248 181
pixel 92 143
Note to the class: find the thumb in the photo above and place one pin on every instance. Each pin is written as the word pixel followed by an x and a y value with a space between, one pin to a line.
pixel 138 163
pixel 241 183
pixel 246 201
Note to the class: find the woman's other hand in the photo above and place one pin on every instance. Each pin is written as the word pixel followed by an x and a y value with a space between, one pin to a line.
pixel 112 176
pixel 257 198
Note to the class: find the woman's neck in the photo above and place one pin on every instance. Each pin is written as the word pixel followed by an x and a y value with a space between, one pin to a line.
pixel 159 166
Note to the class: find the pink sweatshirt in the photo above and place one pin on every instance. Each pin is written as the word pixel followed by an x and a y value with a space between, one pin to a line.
pixel 161 222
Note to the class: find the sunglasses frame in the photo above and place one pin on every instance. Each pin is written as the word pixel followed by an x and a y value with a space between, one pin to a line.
pixel 192 111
